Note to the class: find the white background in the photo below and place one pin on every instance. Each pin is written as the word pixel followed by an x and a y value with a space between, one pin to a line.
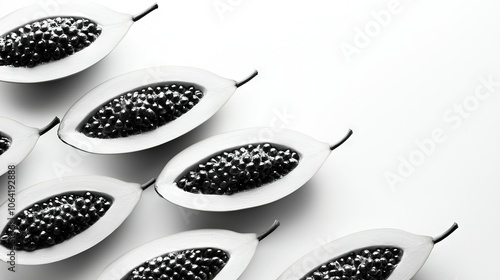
pixel 397 88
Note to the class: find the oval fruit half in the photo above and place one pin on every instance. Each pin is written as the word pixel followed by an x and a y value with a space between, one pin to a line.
pixel 18 140
pixel 380 254
pixel 60 42
pixel 60 218
pixel 209 254
pixel 144 109
pixel 235 170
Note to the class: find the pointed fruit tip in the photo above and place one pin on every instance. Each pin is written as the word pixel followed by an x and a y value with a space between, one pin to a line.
pixel 146 12
pixel 446 233
pixel 148 184
pixel 51 125
pixel 273 227
pixel 347 136
pixel 248 79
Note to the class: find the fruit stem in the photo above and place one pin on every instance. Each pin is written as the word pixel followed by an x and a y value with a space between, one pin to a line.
pixel 342 141
pixel 148 184
pixel 263 235
pixel 446 233
pixel 143 14
pixel 255 73
pixel 51 125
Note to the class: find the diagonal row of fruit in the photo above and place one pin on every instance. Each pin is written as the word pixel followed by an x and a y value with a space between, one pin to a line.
pixel 137 111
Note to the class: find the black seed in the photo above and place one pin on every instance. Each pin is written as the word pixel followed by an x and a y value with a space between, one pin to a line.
pixel 238 170
pixel 140 110
pixel 192 264
pixel 5 143
pixel 363 264
pixel 53 221
pixel 49 38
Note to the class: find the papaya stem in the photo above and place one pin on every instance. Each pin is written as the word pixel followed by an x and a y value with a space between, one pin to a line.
pixel 446 233
pixel 148 184
pixel 255 73
pixel 51 125
pixel 333 147
pixel 143 14
pixel 263 235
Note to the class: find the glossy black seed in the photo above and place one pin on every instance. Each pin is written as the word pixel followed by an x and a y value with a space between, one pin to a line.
pixel 138 111
pixel 53 221
pixel 363 264
pixel 5 143
pixel 192 264
pixel 239 170
pixel 47 40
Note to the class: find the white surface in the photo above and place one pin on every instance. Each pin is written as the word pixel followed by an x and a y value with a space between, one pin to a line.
pixel 402 86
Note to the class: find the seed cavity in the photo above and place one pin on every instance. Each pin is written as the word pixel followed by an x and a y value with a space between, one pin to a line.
pixel 53 221
pixel 47 40
pixel 142 110
pixel 363 264
pixel 192 264
pixel 5 143
pixel 240 169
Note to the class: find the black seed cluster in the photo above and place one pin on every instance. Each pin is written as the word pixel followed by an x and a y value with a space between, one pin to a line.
pixel 364 264
pixel 241 169
pixel 53 221
pixel 141 110
pixel 47 40
pixel 192 264
pixel 4 144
